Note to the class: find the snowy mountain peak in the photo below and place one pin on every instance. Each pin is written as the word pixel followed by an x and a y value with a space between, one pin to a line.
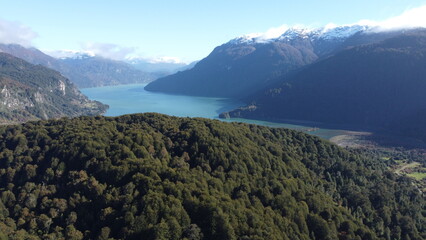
pixel 339 32
pixel 329 32
pixel 71 54
pixel 248 38
pixel 296 32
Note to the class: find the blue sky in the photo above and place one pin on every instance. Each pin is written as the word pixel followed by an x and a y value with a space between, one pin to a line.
pixel 185 29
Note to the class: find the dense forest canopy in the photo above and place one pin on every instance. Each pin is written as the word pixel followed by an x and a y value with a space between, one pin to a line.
pixel 150 176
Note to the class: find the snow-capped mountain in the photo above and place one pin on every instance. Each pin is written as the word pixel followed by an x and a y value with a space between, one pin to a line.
pixel 324 33
pixel 377 85
pixel 328 33
pixel 340 32
pixel 248 63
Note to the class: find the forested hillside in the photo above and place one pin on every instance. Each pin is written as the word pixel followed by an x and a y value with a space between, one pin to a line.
pixel 150 176
pixel 30 92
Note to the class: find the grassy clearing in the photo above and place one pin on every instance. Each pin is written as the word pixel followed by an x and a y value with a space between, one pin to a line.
pixel 406 167
pixel 418 175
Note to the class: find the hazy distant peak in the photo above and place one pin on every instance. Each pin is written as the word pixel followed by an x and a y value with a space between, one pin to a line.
pixel 174 60
pixel 72 54
pixel 159 60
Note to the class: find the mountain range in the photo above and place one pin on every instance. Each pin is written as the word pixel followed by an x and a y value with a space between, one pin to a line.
pixel 84 70
pixel 77 175
pixel 379 85
pixel 31 92
pixel 247 64
pixel 347 76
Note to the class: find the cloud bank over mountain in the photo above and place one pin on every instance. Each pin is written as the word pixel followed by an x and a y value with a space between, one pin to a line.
pixel 411 18
pixel 16 33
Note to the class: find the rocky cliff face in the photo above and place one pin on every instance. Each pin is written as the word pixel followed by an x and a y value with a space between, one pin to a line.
pixel 30 92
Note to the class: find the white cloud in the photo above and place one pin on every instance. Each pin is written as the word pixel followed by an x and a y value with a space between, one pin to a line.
pixel 166 60
pixel 16 33
pixel 108 50
pixel 111 51
pixel 274 32
pixel 162 59
pixel 411 18
pixel 330 26
pixel 66 53
pixel 271 33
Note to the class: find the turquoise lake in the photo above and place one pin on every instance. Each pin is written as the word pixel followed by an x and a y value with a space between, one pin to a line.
pixel 126 99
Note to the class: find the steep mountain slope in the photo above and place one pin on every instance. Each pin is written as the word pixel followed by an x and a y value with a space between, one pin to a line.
pixel 231 70
pixel 150 176
pixel 247 64
pixel 377 85
pixel 30 92
pixel 84 71
pixel 31 55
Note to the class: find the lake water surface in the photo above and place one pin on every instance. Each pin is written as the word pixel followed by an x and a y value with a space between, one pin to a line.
pixel 126 99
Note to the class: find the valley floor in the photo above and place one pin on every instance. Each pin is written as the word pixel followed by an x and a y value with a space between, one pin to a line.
pixel 404 156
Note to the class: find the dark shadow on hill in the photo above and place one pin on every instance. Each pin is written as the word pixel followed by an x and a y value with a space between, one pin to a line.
pixel 353 136
pixel 377 139
pixel 387 140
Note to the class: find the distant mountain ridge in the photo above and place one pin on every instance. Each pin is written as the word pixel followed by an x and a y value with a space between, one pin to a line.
pixel 149 66
pixel 98 71
pixel 30 92
pixel 247 64
pixel 84 70
pixel 157 66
